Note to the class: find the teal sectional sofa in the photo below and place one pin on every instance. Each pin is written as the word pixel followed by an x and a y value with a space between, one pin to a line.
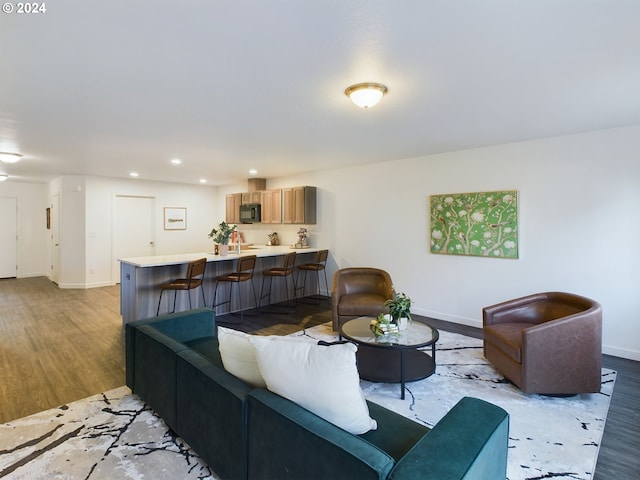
pixel 173 364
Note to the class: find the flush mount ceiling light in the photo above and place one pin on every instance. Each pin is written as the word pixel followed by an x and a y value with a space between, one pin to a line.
pixel 366 95
pixel 7 157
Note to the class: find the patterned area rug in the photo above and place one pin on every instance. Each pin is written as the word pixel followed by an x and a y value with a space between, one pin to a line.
pixel 115 435
pixel 549 437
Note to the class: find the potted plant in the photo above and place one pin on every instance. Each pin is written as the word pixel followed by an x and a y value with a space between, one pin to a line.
pixel 221 236
pixel 399 309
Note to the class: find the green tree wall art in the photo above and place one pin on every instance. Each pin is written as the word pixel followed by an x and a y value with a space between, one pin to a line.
pixel 480 224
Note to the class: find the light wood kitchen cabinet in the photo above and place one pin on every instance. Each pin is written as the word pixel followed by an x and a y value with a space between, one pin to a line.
pixel 251 197
pixel 271 201
pixel 299 205
pixel 232 214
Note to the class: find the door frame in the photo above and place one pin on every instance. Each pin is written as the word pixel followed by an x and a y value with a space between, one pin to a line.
pixel 12 243
pixel 54 238
pixel 115 265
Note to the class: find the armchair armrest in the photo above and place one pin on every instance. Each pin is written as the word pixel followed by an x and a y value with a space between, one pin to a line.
pixel 469 442
pixel 555 335
pixel 551 344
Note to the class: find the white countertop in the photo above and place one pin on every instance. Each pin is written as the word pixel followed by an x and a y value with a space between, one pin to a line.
pixel 180 258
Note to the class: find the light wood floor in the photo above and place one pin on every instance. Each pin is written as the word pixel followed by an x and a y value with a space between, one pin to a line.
pixel 59 345
pixel 56 345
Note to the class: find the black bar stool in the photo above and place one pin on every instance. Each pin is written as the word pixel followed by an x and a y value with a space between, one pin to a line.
pixel 195 276
pixel 318 265
pixel 243 273
pixel 280 272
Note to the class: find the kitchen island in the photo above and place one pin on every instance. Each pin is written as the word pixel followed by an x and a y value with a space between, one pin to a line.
pixel 141 277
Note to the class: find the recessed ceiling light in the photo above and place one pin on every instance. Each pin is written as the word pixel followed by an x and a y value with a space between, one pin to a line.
pixel 203 180
pixel 3 177
pixel 134 174
pixel 8 157
pixel 176 161
pixel 253 171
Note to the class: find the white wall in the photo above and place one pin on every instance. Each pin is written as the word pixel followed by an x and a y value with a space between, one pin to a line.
pixel 86 208
pixel 32 230
pixel 73 211
pixel 579 224
pixel 200 202
pixel 579 197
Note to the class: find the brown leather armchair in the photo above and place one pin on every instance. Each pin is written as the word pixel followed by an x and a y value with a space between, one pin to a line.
pixel 359 291
pixel 546 343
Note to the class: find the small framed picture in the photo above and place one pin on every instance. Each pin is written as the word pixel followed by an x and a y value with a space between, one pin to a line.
pixel 175 218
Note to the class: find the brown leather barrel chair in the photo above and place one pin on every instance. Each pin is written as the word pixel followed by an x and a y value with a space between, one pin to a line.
pixel 546 343
pixel 357 292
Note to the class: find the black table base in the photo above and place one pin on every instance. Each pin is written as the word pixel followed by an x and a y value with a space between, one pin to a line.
pixel 394 365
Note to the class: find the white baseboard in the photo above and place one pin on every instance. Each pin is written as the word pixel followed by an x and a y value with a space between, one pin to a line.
pixel 30 275
pixel 84 285
pixel 621 352
pixel 470 322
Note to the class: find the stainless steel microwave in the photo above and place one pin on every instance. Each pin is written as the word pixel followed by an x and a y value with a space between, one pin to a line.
pixel 250 213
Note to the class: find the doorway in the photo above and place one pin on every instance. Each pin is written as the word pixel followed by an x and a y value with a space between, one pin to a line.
pixel 133 230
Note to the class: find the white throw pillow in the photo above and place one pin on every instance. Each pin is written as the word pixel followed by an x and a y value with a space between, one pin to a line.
pixel 322 379
pixel 239 356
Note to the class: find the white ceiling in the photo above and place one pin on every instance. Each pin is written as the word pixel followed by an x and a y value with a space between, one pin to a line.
pixel 104 88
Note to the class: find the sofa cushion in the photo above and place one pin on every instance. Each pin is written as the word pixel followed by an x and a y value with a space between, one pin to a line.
pixel 322 379
pixel 395 435
pixel 360 303
pixel 288 442
pixel 239 356
pixel 208 348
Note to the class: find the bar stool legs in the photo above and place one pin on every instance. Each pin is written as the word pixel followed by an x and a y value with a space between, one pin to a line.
pixel 282 272
pixel 317 266
pixel 228 300
pixel 243 273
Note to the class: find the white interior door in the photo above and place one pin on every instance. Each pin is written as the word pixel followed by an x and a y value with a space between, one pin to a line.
pixel 54 218
pixel 8 237
pixel 133 230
